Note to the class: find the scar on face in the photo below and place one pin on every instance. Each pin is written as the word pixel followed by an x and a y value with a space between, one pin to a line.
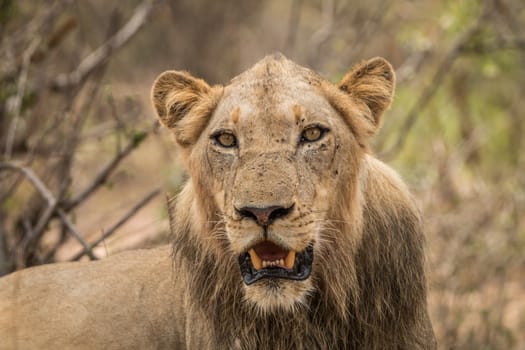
pixel 235 114
pixel 298 112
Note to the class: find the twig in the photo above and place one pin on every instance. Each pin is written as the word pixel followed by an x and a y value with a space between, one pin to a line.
pixel 37 28
pixel 36 232
pixel 17 101
pixel 48 196
pixel 119 223
pixel 104 174
pixel 100 55
pixel 31 176
pixel 65 220
pixel 10 189
pixel 429 92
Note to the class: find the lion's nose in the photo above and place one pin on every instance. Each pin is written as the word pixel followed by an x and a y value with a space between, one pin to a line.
pixel 264 216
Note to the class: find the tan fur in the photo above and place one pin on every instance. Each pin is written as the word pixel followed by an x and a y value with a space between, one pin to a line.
pixel 367 289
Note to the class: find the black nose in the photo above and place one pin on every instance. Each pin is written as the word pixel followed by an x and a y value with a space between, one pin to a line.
pixel 264 216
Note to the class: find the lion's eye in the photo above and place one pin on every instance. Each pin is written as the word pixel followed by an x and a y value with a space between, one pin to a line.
pixel 312 134
pixel 225 139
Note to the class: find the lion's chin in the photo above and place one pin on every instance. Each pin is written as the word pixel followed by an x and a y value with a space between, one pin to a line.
pixel 276 279
pixel 277 295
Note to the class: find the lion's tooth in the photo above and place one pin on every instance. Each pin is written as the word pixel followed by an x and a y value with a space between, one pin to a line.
pixel 289 261
pixel 256 261
pixel 274 263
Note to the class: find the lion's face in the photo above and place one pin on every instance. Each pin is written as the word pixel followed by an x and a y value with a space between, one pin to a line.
pixel 268 160
pixel 274 163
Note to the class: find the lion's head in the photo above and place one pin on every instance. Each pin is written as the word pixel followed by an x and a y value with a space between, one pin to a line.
pixel 274 159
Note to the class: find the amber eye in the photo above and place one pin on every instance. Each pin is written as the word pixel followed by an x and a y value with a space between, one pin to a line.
pixel 312 134
pixel 225 139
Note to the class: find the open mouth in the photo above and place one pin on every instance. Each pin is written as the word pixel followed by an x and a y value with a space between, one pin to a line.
pixel 268 260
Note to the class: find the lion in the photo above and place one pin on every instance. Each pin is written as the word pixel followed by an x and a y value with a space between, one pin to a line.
pixel 288 233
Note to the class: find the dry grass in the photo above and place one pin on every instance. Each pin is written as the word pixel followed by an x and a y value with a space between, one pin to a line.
pixel 476 268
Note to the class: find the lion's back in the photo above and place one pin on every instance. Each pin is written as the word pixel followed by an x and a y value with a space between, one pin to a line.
pixel 125 299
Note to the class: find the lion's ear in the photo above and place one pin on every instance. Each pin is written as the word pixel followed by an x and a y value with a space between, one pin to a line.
pixel 183 104
pixel 371 84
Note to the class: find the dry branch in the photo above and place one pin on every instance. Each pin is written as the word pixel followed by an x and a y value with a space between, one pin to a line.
pixel 37 29
pixel 119 223
pixel 51 200
pixel 436 81
pixel 102 53
pixel 104 174
pixel 16 107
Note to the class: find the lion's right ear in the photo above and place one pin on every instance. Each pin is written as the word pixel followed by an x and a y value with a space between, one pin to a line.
pixel 371 84
pixel 176 95
pixel 362 97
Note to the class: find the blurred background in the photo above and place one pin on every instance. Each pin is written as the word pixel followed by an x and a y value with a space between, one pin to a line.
pixel 85 171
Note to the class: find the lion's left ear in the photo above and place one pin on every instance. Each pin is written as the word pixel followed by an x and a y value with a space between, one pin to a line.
pixel 371 84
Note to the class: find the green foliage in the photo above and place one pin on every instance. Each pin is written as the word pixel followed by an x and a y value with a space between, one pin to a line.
pixel 7 11
pixel 457 15
pixel 137 137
